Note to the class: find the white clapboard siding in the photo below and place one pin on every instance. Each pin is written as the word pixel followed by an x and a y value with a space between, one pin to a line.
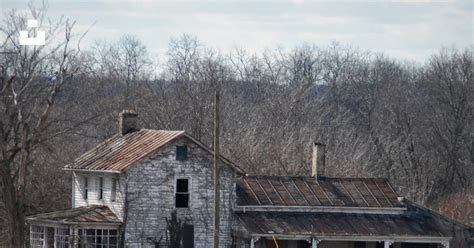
pixel 93 193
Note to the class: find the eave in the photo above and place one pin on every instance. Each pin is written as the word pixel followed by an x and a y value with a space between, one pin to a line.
pixel 321 209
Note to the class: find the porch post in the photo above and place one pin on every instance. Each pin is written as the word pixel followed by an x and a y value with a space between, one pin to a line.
pixel 45 233
pixel 55 231
pixel 445 244
pixel 314 243
pixel 75 239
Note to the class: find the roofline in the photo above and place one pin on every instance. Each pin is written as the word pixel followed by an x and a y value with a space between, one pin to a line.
pixel 97 223
pixel 397 238
pixel 437 214
pixel 320 209
pixel 320 179
pixel 235 167
pixel 88 170
pixel 232 165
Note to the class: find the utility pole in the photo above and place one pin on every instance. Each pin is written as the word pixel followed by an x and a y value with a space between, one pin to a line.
pixel 216 172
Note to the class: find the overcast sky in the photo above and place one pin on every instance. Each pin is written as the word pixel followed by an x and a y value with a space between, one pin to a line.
pixel 405 29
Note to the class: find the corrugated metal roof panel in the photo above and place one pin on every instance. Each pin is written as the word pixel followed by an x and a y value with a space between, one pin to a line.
pixel 309 191
pixel 121 151
pixel 338 224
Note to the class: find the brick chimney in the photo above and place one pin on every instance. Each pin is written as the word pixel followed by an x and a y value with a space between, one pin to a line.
pixel 318 165
pixel 128 122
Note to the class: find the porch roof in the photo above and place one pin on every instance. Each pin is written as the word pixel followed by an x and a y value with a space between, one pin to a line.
pixel 95 214
pixel 291 224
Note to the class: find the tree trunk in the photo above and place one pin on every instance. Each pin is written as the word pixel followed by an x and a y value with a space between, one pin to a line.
pixel 14 211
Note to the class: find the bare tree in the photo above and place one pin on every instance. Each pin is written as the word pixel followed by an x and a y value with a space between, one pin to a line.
pixel 30 86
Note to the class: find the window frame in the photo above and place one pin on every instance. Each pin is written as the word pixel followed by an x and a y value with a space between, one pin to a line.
pixel 86 239
pixel 62 237
pixel 37 236
pixel 176 193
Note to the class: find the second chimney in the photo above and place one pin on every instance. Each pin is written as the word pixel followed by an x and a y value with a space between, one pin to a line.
pixel 318 165
pixel 128 122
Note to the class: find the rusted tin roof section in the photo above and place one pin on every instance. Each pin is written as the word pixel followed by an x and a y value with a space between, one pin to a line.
pixel 340 224
pixel 121 151
pixel 309 191
pixel 93 213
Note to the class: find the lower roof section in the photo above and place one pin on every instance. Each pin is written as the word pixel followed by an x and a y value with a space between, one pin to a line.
pixel 287 224
pixel 94 214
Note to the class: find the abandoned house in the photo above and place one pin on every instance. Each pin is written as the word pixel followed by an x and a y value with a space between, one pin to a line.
pixel 126 190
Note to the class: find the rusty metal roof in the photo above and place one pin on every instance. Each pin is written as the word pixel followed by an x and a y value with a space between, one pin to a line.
pixel 340 224
pixel 309 191
pixel 93 213
pixel 121 151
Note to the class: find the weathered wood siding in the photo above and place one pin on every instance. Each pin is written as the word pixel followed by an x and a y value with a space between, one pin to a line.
pixel 93 194
pixel 151 196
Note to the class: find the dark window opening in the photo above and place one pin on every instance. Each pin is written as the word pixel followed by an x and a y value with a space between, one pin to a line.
pixel 86 187
pixel 417 245
pixel 359 245
pixel 114 190
pixel 101 188
pixel 181 153
pixel 303 244
pixel 182 193
pixel 188 236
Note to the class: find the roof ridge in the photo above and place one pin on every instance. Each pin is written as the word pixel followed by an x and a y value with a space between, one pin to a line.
pixel 325 178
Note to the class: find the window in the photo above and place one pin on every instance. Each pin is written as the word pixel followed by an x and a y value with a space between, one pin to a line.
pixel 61 237
pixel 181 153
pixel 113 194
pixel 101 188
pixel 86 187
pixel 37 236
pixel 182 193
pixel 97 238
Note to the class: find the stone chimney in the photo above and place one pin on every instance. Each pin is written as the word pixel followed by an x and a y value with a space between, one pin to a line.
pixel 318 165
pixel 128 122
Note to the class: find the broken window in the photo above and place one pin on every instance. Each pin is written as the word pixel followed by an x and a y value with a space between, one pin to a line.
pixel 181 153
pixel 182 193
pixel 101 188
pixel 86 187
pixel 113 194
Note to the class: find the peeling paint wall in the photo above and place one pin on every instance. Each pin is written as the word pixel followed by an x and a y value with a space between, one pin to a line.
pixel 151 196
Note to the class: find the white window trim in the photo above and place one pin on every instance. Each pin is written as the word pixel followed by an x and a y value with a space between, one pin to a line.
pixel 35 240
pixel 106 237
